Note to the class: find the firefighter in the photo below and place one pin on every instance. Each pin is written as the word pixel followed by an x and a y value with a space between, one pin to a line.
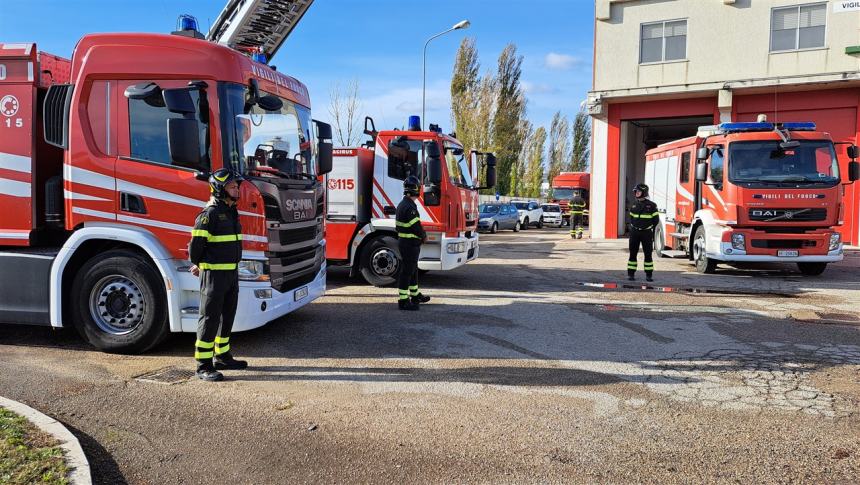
pixel 643 219
pixel 410 236
pixel 215 250
pixel 577 212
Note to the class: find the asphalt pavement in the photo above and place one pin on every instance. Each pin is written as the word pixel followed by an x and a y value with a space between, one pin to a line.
pixel 538 362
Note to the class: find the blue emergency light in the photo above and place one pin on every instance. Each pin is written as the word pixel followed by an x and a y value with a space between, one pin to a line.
pixel 739 127
pixel 798 126
pixel 187 22
pixel 414 123
pixel 259 57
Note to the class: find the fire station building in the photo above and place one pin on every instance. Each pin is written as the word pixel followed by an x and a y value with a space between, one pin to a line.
pixel 662 68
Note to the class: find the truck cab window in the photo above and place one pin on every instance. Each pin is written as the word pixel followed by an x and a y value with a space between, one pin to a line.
pixel 405 158
pixel 148 129
pixel 685 167
pixel 717 168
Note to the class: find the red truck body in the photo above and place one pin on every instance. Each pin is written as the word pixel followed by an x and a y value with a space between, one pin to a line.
pixel 107 180
pixel 566 186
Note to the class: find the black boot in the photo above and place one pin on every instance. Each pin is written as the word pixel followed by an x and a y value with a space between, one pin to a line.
pixel 420 298
pixel 630 275
pixel 406 304
pixel 649 277
pixel 206 371
pixel 226 361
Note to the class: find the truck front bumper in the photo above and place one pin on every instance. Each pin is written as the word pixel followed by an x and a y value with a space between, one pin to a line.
pixel 438 257
pixel 759 247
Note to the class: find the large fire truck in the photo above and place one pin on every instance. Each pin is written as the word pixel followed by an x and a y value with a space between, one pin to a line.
pixel 366 184
pixel 104 162
pixel 750 192
pixel 566 186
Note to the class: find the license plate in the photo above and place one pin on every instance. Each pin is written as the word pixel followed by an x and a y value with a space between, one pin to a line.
pixel 787 254
pixel 301 293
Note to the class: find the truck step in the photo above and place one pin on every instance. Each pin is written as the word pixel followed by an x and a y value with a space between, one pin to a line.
pixel 674 254
pixel 191 310
pixel 679 235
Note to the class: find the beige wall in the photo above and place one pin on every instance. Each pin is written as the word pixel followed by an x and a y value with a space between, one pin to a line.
pixel 727 40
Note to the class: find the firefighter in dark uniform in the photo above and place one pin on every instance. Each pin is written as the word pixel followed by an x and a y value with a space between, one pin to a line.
pixel 577 215
pixel 644 217
pixel 410 235
pixel 215 250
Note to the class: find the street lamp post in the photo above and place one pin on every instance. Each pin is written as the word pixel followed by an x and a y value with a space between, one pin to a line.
pixel 463 24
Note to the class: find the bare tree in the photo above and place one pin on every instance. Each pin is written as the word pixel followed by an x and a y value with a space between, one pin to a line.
pixel 344 108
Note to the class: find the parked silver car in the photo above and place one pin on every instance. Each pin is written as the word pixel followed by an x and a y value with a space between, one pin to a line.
pixel 494 217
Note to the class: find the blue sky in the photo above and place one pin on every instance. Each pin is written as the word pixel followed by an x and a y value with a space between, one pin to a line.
pixel 378 42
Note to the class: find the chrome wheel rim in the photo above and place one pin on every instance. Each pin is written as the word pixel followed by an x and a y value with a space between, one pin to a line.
pixel 117 305
pixel 383 262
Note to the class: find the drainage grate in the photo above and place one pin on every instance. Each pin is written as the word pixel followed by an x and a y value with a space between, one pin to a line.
pixel 167 375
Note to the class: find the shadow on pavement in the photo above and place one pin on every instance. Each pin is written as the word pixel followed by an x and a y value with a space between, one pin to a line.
pixel 103 468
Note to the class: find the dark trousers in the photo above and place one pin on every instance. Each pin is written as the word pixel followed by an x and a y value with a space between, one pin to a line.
pixel 576 224
pixel 219 296
pixel 407 281
pixel 646 239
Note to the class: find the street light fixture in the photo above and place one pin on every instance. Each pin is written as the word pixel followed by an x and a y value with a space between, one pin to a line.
pixel 463 24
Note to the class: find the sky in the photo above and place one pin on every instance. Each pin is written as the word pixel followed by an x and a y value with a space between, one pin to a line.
pixel 378 43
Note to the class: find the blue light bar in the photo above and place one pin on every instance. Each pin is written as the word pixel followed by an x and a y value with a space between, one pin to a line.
pixel 259 57
pixel 414 123
pixel 736 127
pixel 187 22
pixel 799 126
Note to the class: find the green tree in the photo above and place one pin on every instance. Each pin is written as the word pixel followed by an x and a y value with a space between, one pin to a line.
pixel 558 146
pixel 510 110
pixel 465 85
pixel 581 140
pixel 518 177
pixel 535 162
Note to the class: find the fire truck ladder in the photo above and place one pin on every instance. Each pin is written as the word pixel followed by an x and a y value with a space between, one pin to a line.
pixel 252 24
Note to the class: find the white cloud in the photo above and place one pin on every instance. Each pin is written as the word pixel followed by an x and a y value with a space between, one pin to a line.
pixel 560 61
pixel 538 88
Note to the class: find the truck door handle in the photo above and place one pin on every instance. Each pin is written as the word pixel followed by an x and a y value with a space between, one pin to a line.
pixel 131 203
pixel 389 210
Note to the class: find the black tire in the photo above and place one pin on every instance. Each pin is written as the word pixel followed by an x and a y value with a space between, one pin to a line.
pixel 659 241
pixel 540 224
pixel 495 228
pixel 811 269
pixel 119 303
pixel 517 226
pixel 525 225
pixel 703 263
pixel 380 261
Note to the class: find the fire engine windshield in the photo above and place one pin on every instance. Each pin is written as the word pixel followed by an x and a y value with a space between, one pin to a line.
pixel 458 167
pixel 813 162
pixel 277 143
pixel 562 193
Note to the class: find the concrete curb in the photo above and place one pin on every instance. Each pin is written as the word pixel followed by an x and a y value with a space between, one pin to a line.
pixel 75 458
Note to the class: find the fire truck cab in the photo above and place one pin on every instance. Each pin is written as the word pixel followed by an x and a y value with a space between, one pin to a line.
pixel 566 186
pixel 104 162
pixel 750 192
pixel 366 184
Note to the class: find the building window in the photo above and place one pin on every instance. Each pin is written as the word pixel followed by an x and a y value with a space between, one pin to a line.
pixel 799 27
pixel 663 41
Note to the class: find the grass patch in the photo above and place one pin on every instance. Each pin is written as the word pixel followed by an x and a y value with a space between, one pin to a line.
pixel 27 455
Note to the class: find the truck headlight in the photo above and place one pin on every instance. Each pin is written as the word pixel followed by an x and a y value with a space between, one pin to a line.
pixel 252 270
pixel 738 241
pixel 835 240
pixel 456 247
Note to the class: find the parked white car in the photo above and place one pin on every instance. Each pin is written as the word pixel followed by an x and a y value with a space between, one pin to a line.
pixel 552 215
pixel 530 213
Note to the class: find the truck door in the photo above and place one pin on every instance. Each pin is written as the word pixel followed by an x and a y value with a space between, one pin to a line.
pixel 152 191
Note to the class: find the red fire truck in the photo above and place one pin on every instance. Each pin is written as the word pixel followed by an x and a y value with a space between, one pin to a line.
pixel 104 162
pixel 760 192
pixel 566 186
pixel 366 184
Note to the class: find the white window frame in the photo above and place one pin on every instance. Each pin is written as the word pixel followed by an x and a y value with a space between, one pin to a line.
pixel 663 39
pixel 797 29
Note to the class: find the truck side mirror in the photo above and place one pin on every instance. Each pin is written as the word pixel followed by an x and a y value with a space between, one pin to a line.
pixel 852 151
pixel 183 140
pixel 702 154
pixel 325 151
pixel 702 170
pixel 434 163
pixel 179 100
pixel 491 171
pixel 853 171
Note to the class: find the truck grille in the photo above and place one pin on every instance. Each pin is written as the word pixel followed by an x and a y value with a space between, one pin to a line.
pixel 292 269
pixel 293 236
pixel 782 243
pixel 788 215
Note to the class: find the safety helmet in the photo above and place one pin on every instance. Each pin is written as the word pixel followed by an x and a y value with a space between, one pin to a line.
pixel 641 188
pixel 219 180
pixel 411 185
